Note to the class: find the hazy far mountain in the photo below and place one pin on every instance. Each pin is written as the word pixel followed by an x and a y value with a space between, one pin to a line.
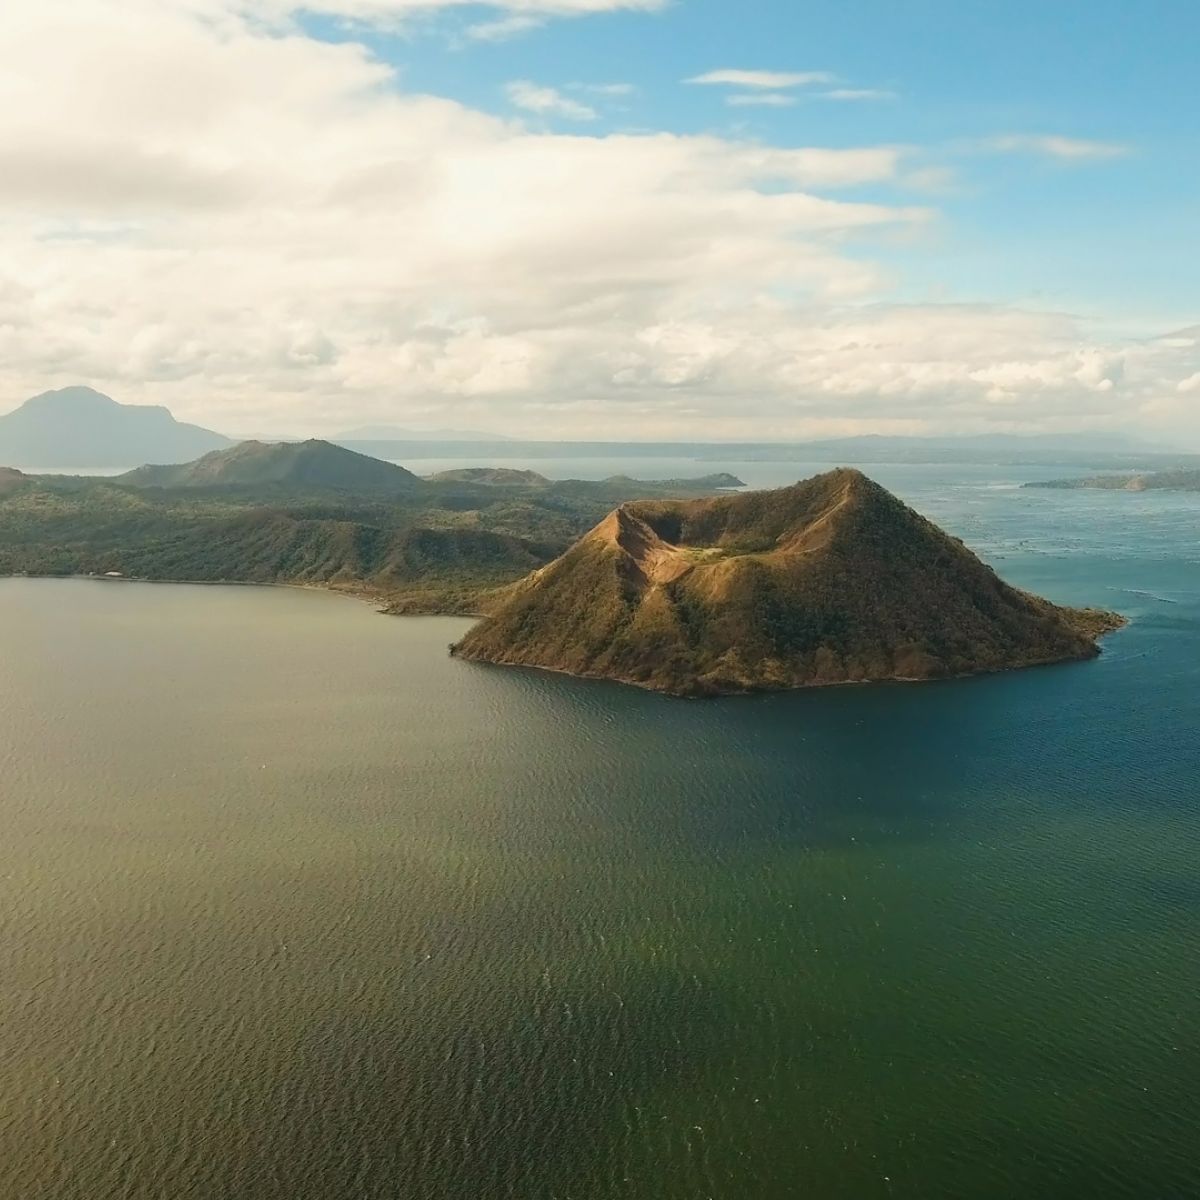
pixel 986 448
pixel 1101 450
pixel 80 427
pixel 1079 440
pixel 311 464
pixel 395 433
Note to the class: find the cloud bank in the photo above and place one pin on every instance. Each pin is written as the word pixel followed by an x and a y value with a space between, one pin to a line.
pixel 200 205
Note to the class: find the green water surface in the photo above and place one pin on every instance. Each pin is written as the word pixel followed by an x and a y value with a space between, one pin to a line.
pixel 293 906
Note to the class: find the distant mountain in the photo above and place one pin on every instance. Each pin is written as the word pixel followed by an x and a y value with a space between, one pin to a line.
pixel 1097 450
pixel 1157 481
pixel 311 464
pixel 396 433
pixel 832 580
pixel 493 476
pixel 984 448
pixel 79 427
pixel 1102 439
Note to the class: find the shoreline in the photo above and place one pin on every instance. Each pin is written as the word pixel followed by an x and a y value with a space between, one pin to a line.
pixel 881 681
pixel 379 600
pixel 346 593
pixel 376 600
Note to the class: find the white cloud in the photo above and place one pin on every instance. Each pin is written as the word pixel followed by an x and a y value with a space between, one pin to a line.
pixel 547 101
pixel 392 11
pixel 1190 384
pixel 767 80
pixel 760 99
pixel 853 94
pixel 606 89
pixel 1064 149
pixel 263 231
pixel 502 28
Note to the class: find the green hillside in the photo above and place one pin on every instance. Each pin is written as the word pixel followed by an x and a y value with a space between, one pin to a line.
pixel 416 546
pixel 311 464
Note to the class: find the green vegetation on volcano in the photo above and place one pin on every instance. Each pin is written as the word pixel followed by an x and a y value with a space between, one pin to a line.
pixel 832 580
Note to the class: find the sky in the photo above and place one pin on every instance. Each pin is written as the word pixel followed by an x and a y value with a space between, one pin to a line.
pixel 625 219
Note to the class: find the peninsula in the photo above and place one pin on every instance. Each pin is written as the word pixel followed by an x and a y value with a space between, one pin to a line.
pixel 1181 480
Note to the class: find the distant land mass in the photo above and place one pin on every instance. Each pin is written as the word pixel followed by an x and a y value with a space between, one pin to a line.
pixel 305 513
pixel 311 464
pixel 1099 451
pixel 395 433
pixel 832 580
pixel 509 477
pixel 1165 481
pixel 719 480
pixel 494 476
pixel 80 427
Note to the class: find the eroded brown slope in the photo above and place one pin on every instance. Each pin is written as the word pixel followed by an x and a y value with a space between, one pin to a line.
pixel 10 480
pixel 833 580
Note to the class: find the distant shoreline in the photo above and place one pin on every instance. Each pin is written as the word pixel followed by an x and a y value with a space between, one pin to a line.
pixel 378 601
pixel 348 593
pixel 375 600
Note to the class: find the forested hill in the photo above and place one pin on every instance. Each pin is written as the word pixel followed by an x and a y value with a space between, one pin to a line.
pixel 311 464
pixel 309 517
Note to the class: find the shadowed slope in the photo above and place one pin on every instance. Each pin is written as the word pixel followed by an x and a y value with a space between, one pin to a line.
pixel 832 580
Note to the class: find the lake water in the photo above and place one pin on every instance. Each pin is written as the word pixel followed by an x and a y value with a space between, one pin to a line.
pixel 293 906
